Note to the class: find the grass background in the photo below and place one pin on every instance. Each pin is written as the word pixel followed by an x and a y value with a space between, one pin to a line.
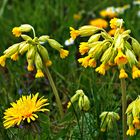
pixel 54 17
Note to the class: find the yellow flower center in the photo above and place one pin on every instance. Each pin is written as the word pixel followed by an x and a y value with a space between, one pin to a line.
pixel 16 31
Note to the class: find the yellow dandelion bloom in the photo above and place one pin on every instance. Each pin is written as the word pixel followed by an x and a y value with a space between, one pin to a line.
pixel 92 63
pixel 130 131
pixel 2 60
pixel 120 59
pixel 14 57
pixel 63 53
pixel 135 72
pixel 48 63
pixel 83 48
pixel 123 74
pixel 24 108
pixel 115 22
pixel 73 33
pixel 39 74
pixel 30 68
pixel 101 23
pixel 101 69
pixel 16 31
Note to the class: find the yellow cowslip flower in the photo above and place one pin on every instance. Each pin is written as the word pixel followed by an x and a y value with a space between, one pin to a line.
pixel 77 16
pixel 120 59
pixel 63 53
pixel 108 13
pixel 39 74
pixel 92 63
pixel 123 74
pixel 136 122
pixel 83 48
pixel 2 60
pixel 69 104
pixel 131 131
pixel 84 61
pixel 24 108
pixel 14 57
pixel 48 63
pixel 112 31
pixel 74 33
pixel 16 31
pixel 135 72
pixel 101 23
pixel 30 68
pixel 101 69
pixel 115 23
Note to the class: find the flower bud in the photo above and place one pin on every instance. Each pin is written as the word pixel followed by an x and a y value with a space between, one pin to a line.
pixel 136 47
pixel 54 44
pixel 119 42
pixel 38 61
pixel 23 47
pixel 25 27
pixel 26 37
pixel 106 36
pixel 94 38
pixel 43 38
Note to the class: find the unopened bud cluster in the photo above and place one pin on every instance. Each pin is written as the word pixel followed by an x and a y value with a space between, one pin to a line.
pixel 133 117
pixel 121 50
pixel 83 101
pixel 36 54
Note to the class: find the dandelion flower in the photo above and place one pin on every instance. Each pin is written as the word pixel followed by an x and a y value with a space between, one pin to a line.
pixel 39 74
pixel 16 31
pixel 24 108
pixel 63 53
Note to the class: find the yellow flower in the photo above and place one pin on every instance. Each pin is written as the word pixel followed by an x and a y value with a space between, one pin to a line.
pixel 2 60
pixel 69 104
pixel 123 74
pixel 16 31
pixel 115 23
pixel 30 68
pixel 112 31
pixel 92 63
pixel 84 61
pixel 83 48
pixel 130 131
pixel 135 72
pixel 120 59
pixel 63 53
pixel 108 13
pixel 136 120
pixel 48 63
pixel 101 23
pixel 73 33
pixel 39 74
pixel 14 57
pixel 77 16
pixel 24 108
pixel 101 69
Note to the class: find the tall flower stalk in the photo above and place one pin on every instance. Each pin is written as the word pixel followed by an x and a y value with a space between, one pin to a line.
pixel 36 54
pixel 119 51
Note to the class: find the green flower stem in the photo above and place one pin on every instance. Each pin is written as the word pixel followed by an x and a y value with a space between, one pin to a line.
pixel 33 32
pixel 58 101
pixel 124 105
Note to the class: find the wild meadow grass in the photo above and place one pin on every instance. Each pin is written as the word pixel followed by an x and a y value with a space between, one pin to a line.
pixel 54 17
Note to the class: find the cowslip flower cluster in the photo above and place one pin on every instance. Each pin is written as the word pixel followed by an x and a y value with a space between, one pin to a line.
pixel 133 117
pixel 83 101
pixel 122 50
pixel 108 119
pixel 24 109
pixel 37 55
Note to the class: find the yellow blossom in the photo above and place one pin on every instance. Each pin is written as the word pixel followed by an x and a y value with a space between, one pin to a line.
pixel 130 131
pixel 92 63
pixel 39 74
pixel 108 13
pixel 135 72
pixel 63 53
pixel 84 61
pixel 120 59
pixel 16 31
pixel 14 57
pixel 73 33
pixel 115 22
pixel 112 31
pixel 24 108
pixel 101 69
pixel 48 63
pixel 123 74
pixel 101 23
pixel 69 104
pixel 2 60
pixel 30 68
pixel 83 48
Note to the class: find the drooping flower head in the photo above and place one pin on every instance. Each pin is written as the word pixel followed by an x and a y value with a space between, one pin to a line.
pixel 24 109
